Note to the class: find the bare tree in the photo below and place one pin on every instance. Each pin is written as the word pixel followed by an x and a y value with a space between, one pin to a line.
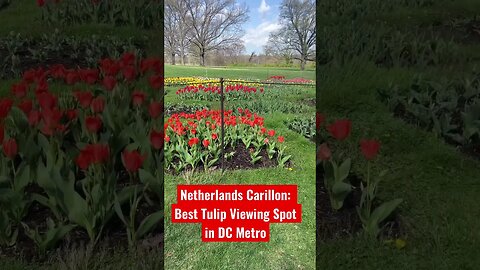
pixel 228 55
pixel 214 24
pixel 234 52
pixel 298 32
pixel 176 34
pixel 171 21
pixel 278 48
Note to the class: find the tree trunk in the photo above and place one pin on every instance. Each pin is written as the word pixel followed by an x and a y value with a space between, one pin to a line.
pixel 173 58
pixel 202 57
pixel 182 57
pixel 303 62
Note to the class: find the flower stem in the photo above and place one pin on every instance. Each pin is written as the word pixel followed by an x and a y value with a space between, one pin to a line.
pixel 13 169
pixel 369 201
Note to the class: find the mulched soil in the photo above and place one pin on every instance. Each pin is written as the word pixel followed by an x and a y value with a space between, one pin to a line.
pixel 345 222
pixel 240 160
pixel 25 62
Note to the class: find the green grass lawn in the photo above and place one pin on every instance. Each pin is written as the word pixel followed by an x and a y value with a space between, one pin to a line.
pixel 292 246
pixel 259 73
pixel 439 185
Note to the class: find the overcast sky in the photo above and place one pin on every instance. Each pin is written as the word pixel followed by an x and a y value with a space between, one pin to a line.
pixel 263 20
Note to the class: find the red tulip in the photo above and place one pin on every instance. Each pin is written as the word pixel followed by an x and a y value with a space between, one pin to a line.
pixel 33 118
pixel 42 87
pixel 324 152
pixel 71 77
pixel 89 76
pixel 19 90
pixel 40 3
pixel 84 98
pixel 98 104
pixel 109 67
pixel 214 136
pixel 156 81
pixel 58 71
pixel 206 143
pixel 127 59
pixel 340 129
pixel 51 121
pixel 145 65
pixel 109 83
pixel 369 148
pixel 71 114
pixel 129 73
pixel 271 133
pixel 26 106
pixel 132 160
pixel 154 64
pixel 31 75
pixel 138 97
pixel 100 153
pixel 83 161
pixel 167 138
pixel 93 124
pixel 263 130
pixel 156 139
pixel 155 109
pixel 5 107
pixel 320 118
pixel 193 141
pixel 10 148
pixel 93 154
pixel 266 140
pixel 47 100
pixel 281 139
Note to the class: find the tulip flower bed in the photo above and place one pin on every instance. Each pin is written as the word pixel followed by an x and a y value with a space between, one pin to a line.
pixel 305 127
pixel 346 203
pixel 282 79
pixel 450 109
pixel 269 105
pixel 212 92
pixel 73 167
pixel 189 80
pixel 192 141
pixel 19 53
pixel 276 78
pixel 195 80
